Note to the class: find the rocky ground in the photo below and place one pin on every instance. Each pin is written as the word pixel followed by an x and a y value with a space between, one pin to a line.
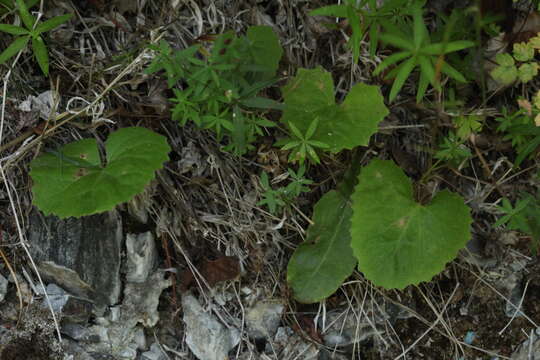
pixel 193 268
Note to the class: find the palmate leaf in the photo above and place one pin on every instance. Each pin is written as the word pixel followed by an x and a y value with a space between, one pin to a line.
pixel 397 241
pixel 67 188
pixel 310 95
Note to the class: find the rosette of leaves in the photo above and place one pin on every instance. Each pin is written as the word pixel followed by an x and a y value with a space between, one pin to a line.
pixel 417 51
pixel 30 32
pixel 366 16
pixel 72 181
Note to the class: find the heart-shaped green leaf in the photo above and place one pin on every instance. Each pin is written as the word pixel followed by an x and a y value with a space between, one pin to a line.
pixel 310 95
pixel 397 241
pixel 321 263
pixel 72 182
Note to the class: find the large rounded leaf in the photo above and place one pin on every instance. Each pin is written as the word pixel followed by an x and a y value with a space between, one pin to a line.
pixel 398 241
pixel 310 95
pixel 321 263
pixel 72 182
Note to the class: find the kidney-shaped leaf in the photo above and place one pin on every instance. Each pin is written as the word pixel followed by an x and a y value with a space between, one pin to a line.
pixel 265 47
pixel 397 241
pixel 321 263
pixel 310 95
pixel 72 182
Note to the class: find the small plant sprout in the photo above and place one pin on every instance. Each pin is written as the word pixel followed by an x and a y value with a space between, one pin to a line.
pixel 31 32
pixel 302 146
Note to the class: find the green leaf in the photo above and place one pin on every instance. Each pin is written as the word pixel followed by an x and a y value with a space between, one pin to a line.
pixel 41 53
pixel 262 103
pixel 505 74
pixel 357 32
pixel 391 60
pixel 52 23
pixel 419 28
pixel 265 48
pixel 467 125
pixel 331 10
pixel 405 70
pixel 397 241
pixel 527 71
pixel 504 59
pixel 321 263
pixel 310 95
pixel 523 52
pixel 27 18
pixel 398 41
pixel 445 48
pixel 13 30
pixel 65 189
pixel 13 48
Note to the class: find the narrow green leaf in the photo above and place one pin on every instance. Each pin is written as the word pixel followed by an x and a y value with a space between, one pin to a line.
pixel 262 103
pixel 405 70
pixel 41 53
pixel 312 127
pixel 331 10
pixel 295 131
pixel 13 30
pixel 453 73
pixel 357 32
pixel 397 41
pixel 422 87
pixel 427 69
pixel 390 60
pixel 324 260
pixel 13 48
pixel 27 18
pixel 419 28
pixel 52 23
pixel 441 48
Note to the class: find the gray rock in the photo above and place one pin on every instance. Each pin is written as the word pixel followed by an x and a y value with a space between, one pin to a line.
pixel 72 309
pixel 120 334
pixel 290 345
pixel 342 329
pixel 141 256
pixel 3 287
pixel 206 337
pixel 80 255
pixel 263 319
pixel 155 353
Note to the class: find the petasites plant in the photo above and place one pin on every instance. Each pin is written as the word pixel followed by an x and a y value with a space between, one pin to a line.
pixel 309 99
pixel 72 181
pixel 321 263
pixel 398 241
